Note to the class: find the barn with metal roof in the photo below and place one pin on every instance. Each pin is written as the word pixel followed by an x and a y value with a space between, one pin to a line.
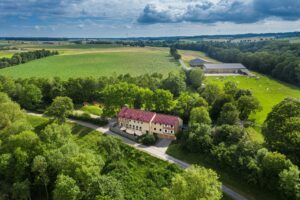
pixel 198 62
pixel 225 68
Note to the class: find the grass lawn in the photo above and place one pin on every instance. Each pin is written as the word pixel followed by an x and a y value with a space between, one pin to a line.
pixel 228 177
pixel 5 54
pixel 105 62
pixel 92 109
pixel 268 91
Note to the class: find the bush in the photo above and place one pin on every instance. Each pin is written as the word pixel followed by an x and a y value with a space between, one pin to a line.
pixel 148 139
pixel 87 118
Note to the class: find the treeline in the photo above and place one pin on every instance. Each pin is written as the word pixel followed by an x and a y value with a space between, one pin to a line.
pixel 174 53
pixel 24 57
pixel 279 59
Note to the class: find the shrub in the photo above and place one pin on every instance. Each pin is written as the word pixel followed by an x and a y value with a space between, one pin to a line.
pixel 87 118
pixel 148 139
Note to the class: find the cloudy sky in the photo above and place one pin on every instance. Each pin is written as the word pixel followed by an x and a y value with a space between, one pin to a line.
pixel 142 18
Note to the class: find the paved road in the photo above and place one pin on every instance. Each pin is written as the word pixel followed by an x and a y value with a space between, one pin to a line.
pixel 158 151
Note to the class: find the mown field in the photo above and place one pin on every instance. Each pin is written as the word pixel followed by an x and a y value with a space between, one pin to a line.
pixel 95 62
pixel 5 54
pixel 187 56
pixel 268 91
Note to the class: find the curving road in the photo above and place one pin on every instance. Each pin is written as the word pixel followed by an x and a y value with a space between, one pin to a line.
pixel 158 151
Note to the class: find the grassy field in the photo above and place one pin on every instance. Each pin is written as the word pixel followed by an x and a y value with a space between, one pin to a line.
pixel 6 54
pixel 187 56
pixel 92 109
pixel 97 62
pixel 268 91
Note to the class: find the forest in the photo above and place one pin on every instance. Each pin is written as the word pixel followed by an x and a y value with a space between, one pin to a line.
pixel 217 119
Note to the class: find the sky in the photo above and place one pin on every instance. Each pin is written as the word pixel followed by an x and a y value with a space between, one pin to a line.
pixel 145 18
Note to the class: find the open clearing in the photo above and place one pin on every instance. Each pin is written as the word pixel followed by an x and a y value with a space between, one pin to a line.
pixel 188 55
pixel 5 54
pixel 268 91
pixel 96 62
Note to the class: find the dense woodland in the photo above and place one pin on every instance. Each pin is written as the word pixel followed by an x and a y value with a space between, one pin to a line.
pixel 217 119
pixel 51 160
pixel 24 57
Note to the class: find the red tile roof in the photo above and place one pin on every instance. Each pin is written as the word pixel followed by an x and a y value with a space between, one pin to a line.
pixel 136 114
pixel 165 119
pixel 146 116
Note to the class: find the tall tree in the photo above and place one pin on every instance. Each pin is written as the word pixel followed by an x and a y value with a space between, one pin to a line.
pixel 282 128
pixel 195 183
pixel 65 188
pixel 60 108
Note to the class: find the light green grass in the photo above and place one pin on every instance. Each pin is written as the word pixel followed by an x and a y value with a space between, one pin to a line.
pixel 91 109
pixel 135 61
pixel 268 91
pixel 5 54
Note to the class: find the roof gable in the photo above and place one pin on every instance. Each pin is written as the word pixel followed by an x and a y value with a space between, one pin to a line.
pixel 165 119
pixel 136 114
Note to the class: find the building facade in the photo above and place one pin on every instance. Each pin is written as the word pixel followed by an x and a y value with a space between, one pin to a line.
pixel 139 122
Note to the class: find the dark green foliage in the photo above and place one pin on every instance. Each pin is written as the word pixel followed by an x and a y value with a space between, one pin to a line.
pixel 175 83
pixel 60 108
pixel 247 105
pixel 229 114
pixel 25 57
pixel 282 128
pixel 195 77
pixel 54 164
pixel 148 139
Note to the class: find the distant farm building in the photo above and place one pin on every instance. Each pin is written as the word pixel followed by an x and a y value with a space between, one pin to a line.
pixel 198 62
pixel 225 68
pixel 139 122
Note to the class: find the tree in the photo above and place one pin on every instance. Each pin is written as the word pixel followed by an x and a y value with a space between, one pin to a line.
pixel 218 104
pixel 228 134
pixel 163 100
pixel 247 105
pixel 175 83
pixel 230 88
pixel 195 77
pixel 199 138
pixel 199 115
pixel 195 183
pixel 30 96
pixel 186 101
pixel 211 93
pixel 21 190
pixel 39 167
pixel 229 114
pixel 60 108
pixel 282 128
pixel 290 182
pixel 65 188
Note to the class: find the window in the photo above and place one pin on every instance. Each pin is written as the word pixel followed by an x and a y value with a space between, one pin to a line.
pixel 159 129
pixel 165 131
pixel 171 131
pixel 121 124
pixel 140 128
pixel 172 126
pixel 155 129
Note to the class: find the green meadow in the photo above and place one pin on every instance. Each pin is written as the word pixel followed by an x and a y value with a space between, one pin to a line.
pixel 268 91
pixel 97 62
pixel 5 54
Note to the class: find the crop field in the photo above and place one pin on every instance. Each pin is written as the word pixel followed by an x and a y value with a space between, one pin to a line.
pixel 187 56
pixel 268 91
pixel 96 62
pixel 5 54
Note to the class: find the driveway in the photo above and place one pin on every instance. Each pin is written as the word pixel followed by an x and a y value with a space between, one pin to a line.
pixel 158 151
